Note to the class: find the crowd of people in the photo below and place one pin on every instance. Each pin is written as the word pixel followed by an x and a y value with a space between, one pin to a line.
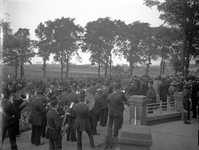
pixel 53 100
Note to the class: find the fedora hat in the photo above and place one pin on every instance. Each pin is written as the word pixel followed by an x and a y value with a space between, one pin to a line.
pixel 187 85
pixel 82 94
pixel 174 83
pixel 54 101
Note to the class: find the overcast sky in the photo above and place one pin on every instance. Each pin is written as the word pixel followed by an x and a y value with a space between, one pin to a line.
pixel 29 13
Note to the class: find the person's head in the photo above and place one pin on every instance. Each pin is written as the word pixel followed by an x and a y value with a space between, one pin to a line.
pixel 54 102
pixel 40 91
pixel 116 87
pixel 6 93
pixel 81 96
pixel 150 83
pixel 187 86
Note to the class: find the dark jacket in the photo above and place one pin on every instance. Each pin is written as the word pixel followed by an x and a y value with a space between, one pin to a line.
pixel 82 117
pixel 115 104
pixel 8 113
pixel 54 125
pixel 38 114
pixel 151 95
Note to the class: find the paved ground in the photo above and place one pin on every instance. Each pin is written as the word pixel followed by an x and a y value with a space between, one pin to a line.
pixel 167 136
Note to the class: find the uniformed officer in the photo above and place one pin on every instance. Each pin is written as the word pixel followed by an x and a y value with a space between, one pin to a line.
pixel 68 100
pixel 54 125
pixel 82 114
pixel 8 124
pixel 151 95
pixel 37 118
pixel 95 112
pixel 115 110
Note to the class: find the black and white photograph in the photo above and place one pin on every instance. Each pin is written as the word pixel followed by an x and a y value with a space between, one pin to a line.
pixel 99 74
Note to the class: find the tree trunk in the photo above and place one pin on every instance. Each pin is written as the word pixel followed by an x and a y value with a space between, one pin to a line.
pixel 147 66
pixel 164 64
pixel 110 64
pixel 22 71
pixel 131 69
pixel 16 69
pixel 106 69
pixel 161 64
pixel 67 68
pixel 44 67
pixel 184 38
pixel 187 59
pixel 99 66
pixel 62 69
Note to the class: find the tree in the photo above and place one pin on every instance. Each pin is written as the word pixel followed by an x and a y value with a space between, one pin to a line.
pixel 128 40
pixel 183 14
pixel 99 40
pixel 66 40
pixel 9 54
pixel 44 43
pixel 168 39
pixel 23 47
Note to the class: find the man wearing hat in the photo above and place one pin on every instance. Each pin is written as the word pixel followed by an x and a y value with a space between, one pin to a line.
pixel 68 100
pixel 54 125
pixel 186 93
pixel 82 123
pixel 37 118
pixel 172 90
pixel 96 111
pixel 19 105
pixel 8 115
pixel 151 95
pixel 115 110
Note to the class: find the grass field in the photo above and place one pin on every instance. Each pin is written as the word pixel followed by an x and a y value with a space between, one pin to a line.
pixel 34 71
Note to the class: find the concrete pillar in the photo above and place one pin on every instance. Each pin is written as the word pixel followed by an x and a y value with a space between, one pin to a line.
pixel 134 137
pixel 138 110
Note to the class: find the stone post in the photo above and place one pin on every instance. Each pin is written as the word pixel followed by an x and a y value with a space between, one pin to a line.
pixel 138 110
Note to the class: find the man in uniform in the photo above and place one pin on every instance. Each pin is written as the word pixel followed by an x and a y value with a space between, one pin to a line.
pixel 151 95
pixel 95 112
pixel 68 100
pixel 54 125
pixel 104 107
pixel 19 104
pixel 37 118
pixel 115 110
pixel 82 114
pixel 8 115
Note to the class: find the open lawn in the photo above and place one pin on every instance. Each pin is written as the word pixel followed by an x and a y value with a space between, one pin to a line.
pixel 34 71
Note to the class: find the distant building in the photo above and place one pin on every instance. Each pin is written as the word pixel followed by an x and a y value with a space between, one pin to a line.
pixel 193 68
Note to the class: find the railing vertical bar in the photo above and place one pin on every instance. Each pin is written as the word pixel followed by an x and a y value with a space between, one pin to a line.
pixel 161 107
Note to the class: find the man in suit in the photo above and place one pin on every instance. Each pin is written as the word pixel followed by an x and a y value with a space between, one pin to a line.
pixel 68 100
pixel 37 118
pixel 194 99
pixel 54 125
pixel 104 107
pixel 95 112
pixel 82 121
pixel 115 110
pixel 8 115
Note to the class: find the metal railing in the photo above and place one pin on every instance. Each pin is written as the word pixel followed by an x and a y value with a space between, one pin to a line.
pixel 163 107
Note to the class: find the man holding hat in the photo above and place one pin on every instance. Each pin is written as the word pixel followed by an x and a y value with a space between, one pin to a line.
pixel 82 123
pixel 8 115
pixel 37 118
pixel 54 125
